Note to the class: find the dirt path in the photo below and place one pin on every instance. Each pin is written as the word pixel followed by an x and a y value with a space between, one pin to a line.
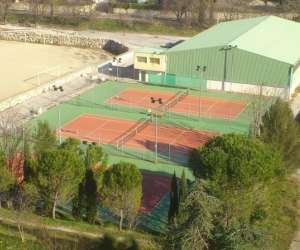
pixel 63 229
pixel 52 228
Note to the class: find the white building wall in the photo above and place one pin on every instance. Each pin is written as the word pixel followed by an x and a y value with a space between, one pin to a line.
pixel 295 80
pixel 246 88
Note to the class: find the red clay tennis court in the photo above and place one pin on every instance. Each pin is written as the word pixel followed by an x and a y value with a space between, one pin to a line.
pixel 155 188
pixel 171 141
pixel 191 105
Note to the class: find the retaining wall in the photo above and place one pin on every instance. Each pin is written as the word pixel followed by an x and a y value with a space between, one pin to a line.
pixel 111 46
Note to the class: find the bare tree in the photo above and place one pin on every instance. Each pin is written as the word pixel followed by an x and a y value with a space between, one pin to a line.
pixel 256 112
pixel 261 99
pixel 4 7
pixel 199 10
pixel 191 11
pixel 179 7
pixel 292 6
pixel 11 134
pixel 232 9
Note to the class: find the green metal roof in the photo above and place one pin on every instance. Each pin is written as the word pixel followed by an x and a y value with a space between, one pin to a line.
pixel 268 36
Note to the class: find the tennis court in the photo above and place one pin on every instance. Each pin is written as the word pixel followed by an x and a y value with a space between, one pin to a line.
pixel 190 104
pixel 155 187
pixel 171 141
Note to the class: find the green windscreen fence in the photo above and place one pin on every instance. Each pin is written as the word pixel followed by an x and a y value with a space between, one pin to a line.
pixel 176 81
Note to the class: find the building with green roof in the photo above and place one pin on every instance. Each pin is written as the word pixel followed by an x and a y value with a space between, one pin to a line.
pixel 256 55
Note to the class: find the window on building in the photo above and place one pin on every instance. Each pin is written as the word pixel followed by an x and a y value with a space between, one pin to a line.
pixel 142 59
pixel 154 60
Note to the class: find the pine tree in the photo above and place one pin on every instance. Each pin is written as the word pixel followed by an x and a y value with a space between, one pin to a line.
pixel 123 191
pixel 183 187
pixel 27 158
pixel 280 129
pixel 91 196
pixel 174 200
pixel 78 207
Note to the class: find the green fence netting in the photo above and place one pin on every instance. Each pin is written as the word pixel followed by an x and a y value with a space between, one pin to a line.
pixel 176 81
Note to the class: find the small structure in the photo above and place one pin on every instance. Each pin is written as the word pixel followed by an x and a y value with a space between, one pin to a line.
pixel 150 61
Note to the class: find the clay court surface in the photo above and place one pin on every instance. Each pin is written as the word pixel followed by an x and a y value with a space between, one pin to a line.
pixel 171 140
pixel 192 105
pixel 21 62
pixel 154 188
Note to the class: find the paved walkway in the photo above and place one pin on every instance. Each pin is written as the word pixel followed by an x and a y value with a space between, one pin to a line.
pixel 26 110
pixel 132 40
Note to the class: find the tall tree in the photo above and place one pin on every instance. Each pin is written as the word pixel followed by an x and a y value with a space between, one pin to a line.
pixel 237 170
pixel 91 196
pixel 93 156
pixel 4 7
pixel 85 201
pixel 179 7
pixel 57 174
pixel 123 190
pixel 280 129
pixel 78 202
pixel 196 222
pixel 174 201
pixel 27 153
pixel 7 180
pixel 11 134
pixel 44 138
pixel 183 190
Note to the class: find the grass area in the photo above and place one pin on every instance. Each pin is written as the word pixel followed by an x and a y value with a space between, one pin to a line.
pixel 283 214
pixel 139 27
pixel 39 236
pixel 112 25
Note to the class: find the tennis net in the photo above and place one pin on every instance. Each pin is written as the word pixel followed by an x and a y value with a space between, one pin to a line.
pixel 179 96
pixel 130 133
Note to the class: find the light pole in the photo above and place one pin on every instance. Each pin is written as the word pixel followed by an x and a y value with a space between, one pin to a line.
pixel 59 125
pixel 154 100
pixel 61 89
pixel 117 61
pixel 200 69
pixel 226 49
pixel 156 133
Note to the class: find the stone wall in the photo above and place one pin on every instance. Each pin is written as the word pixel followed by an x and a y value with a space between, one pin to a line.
pixel 111 46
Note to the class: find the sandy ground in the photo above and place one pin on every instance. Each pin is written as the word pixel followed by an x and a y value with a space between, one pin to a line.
pixel 21 62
